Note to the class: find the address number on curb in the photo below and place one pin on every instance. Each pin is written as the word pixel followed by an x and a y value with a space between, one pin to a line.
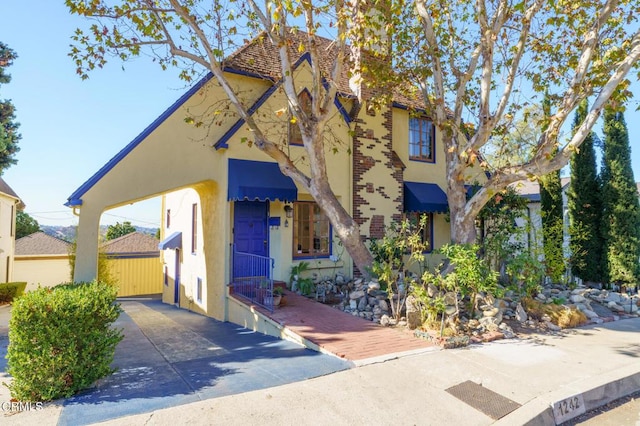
pixel 568 408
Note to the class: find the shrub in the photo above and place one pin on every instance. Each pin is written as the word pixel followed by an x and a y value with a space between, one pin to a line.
pixel 61 340
pixel 471 275
pixel 10 291
pixel 560 315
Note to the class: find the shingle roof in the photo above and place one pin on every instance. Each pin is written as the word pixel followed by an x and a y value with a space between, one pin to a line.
pixel 261 58
pixel 134 242
pixel 5 188
pixel 41 244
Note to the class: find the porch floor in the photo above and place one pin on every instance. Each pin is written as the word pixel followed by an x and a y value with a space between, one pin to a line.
pixel 340 333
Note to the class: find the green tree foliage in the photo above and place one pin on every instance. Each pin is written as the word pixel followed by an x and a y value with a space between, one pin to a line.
pixel 503 238
pixel 470 60
pixel 9 136
pixel 478 65
pixel 25 225
pixel 552 224
pixel 621 212
pixel 585 208
pixel 119 229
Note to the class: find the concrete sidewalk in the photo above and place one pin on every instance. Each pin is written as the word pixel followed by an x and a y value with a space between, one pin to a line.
pixel 226 384
pixel 575 370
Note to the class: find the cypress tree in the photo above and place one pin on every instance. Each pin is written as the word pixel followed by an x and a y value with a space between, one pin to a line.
pixel 621 209
pixel 552 217
pixel 585 208
pixel 552 224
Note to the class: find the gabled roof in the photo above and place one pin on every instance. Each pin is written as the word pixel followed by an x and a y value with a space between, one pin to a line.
pixel 40 244
pixel 134 242
pixel 258 58
pixel 6 189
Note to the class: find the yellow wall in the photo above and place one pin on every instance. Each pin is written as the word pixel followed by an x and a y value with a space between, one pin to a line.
pixel 7 236
pixel 44 271
pixel 137 276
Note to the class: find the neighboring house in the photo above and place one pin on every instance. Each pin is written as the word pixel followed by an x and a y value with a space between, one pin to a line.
pixel 533 220
pixel 134 260
pixel 42 260
pixel 220 193
pixel 10 203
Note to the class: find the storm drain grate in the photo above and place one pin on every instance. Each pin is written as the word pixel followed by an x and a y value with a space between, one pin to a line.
pixel 490 403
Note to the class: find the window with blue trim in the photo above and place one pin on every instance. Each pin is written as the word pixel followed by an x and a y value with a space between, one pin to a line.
pixel 422 139
pixel 199 290
pixel 295 135
pixel 311 231
pixel 426 233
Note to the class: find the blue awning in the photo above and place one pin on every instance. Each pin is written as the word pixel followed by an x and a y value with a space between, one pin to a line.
pixel 424 197
pixel 172 242
pixel 258 180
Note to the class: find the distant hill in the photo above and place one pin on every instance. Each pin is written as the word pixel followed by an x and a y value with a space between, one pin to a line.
pixel 68 233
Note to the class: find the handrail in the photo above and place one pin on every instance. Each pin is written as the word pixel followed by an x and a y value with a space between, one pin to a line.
pixel 252 277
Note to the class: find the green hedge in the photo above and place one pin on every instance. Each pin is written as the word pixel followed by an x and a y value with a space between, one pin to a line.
pixel 10 291
pixel 61 340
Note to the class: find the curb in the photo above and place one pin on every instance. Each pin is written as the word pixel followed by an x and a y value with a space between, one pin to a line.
pixel 575 399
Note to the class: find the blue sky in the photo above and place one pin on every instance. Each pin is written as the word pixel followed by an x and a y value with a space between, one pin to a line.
pixel 70 128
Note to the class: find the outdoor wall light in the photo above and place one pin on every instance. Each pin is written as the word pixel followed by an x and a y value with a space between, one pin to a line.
pixel 288 211
pixel 286 223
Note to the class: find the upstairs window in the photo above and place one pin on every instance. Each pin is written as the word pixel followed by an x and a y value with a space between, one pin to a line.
pixel 422 140
pixel 295 136
pixel 311 231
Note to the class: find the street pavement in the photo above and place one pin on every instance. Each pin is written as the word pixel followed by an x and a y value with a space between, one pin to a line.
pixel 176 367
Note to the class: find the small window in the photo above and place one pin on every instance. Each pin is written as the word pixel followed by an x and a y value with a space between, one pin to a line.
pixel 311 231
pixel 166 275
pixel 168 220
pixel 199 290
pixel 295 136
pixel 194 228
pixel 427 231
pixel 422 138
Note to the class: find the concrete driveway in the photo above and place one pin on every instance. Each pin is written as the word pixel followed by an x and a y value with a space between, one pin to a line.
pixel 170 357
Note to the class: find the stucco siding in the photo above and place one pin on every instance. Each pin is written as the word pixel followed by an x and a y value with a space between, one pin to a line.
pixel 46 271
pixel 7 237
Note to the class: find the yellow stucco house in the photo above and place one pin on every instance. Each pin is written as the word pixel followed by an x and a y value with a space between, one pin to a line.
pixel 10 203
pixel 222 197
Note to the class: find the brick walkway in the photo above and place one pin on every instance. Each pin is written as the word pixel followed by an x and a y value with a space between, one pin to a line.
pixel 342 334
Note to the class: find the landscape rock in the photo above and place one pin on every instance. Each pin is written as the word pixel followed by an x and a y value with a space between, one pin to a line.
pixel 355 295
pixel 521 314
pixel 385 320
pixel 577 298
pixel 414 317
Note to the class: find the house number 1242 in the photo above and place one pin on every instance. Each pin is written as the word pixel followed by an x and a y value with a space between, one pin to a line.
pixel 568 408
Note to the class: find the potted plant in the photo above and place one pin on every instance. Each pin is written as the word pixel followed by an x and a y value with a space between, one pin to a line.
pixel 274 298
pixel 278 293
